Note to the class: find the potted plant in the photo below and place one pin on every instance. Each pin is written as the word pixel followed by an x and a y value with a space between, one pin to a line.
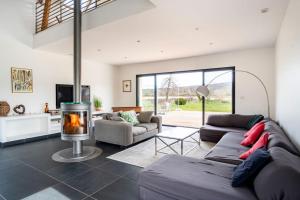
pixel 97 103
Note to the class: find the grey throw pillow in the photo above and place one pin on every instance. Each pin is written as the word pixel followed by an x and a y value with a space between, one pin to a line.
pixel 119 119
pixel 145 116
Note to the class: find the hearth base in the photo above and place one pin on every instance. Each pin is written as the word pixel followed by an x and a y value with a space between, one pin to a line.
pixel 67 155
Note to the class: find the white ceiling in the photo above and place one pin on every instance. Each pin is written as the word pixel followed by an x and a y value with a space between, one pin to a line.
pixel 181 28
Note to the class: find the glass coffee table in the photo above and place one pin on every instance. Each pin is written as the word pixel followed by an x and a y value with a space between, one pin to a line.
pixel 179 135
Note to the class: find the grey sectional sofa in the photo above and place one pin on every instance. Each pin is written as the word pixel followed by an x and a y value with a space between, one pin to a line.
pixel 125 134
pixel 178 177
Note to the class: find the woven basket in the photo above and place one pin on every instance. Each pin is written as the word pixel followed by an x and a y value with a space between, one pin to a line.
pixel 4 108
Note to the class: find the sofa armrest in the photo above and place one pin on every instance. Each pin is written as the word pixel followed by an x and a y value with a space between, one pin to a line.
pixel 158 120
pixel 114 132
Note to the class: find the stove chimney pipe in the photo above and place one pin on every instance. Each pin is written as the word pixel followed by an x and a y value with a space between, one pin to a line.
pixel 77 51
pixel 77 145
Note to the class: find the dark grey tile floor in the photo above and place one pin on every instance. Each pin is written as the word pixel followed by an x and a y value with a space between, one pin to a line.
pixel 28 172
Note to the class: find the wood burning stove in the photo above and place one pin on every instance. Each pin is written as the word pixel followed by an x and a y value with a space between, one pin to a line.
pixel 76 116
pixel 76 121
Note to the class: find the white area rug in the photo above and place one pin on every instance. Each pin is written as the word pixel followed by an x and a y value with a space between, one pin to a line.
pixel 143 154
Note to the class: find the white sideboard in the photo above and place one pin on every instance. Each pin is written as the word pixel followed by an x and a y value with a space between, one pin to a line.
pixel 22 127
pixel 18 127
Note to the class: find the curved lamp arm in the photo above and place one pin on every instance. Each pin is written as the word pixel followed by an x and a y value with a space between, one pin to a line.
pixel 204 91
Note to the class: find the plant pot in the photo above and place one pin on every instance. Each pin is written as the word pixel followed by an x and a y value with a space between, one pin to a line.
pixel 4 108
pixel 98 109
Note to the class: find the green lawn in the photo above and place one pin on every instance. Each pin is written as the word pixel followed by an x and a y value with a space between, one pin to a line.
pixel 210 105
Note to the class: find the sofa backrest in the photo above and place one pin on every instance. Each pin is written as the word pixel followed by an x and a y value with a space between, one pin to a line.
pixel 280 179
pixel 278 138
pixel 229 120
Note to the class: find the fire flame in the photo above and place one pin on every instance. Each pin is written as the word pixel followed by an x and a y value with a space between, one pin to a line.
pixel 72 124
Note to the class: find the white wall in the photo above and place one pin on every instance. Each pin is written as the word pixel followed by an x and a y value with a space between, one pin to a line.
pixel 288 72
pixel 250 97
pixel 48 69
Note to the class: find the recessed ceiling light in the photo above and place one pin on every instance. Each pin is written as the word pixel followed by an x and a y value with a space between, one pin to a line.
pixel 197 29
pixel 264 10
pixel 125 57
pixel 161 51
pixel 211 43
pixel 138 41
pixel 98 50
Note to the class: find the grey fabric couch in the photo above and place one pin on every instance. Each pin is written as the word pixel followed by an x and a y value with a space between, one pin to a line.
pixel 177 177
pixel 125 134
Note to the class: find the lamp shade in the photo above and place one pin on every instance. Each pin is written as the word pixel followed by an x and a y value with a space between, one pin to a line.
pixel 202 91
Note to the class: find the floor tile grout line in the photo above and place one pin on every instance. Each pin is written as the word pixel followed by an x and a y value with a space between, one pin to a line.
pixel 2 197
pixel 118 177
pixel 105 186
pixel 55 179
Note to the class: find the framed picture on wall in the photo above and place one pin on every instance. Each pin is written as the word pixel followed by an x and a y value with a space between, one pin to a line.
pixel 21 80
pixel 127 86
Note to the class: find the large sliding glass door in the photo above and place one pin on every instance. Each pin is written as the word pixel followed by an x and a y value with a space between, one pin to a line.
pixel 220 100
pixel 146 92
pixel 178 103
pixel 173 95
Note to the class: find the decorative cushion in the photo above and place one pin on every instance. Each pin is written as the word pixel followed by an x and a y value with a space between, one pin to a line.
pixel 145 116
pixel 249 168
pixel 253 135
pixel 108 116
pixel 280 179
pixel 261 142
pixel 254 120
pixel 255 126
pixel 120 119
pixel 130 117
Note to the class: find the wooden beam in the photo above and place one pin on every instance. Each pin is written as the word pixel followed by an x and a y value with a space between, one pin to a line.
pixel 46 14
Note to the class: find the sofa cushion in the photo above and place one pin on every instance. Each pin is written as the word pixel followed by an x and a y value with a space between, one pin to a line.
pixel 254 127
pixel 145 116
pixel 256 119
pixel 261 142
pixel 231 120
pixel 249 168
pixel 138 130
pixel 119 119
pixel 130 117
pixel 278 138
pixel 214 133
pixel 108 116
pixel 231 140
pixel 280 179
pixel 253 135
pixel 228 149
pixel 148 126
pixel 192 179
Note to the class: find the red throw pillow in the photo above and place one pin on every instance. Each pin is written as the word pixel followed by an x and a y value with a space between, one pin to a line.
pixel 261 142
pixel 254 127
pixel 253 135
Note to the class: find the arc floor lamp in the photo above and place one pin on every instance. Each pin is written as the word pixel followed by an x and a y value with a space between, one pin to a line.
pixel 204 91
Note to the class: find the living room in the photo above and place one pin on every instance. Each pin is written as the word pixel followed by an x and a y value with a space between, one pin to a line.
pixel 157 58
